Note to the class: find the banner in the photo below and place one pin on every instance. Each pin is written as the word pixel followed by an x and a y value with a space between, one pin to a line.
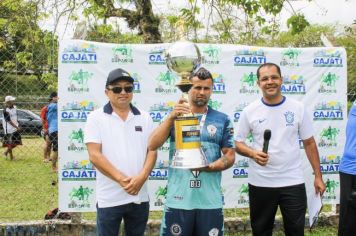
pixel 315 76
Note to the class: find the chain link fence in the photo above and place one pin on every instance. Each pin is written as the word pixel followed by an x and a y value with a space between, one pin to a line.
pixel 28 187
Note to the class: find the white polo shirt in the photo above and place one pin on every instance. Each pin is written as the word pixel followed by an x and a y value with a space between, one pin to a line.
pixel 124 144
pixel 288 121
pixel 8 128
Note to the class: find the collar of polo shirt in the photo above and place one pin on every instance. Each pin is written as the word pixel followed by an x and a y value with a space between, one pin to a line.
pixel 108 109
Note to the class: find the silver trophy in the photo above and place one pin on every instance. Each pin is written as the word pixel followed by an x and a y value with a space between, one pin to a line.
pixel 183 58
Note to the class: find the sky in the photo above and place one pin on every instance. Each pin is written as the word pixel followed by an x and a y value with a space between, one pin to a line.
pixel 340 12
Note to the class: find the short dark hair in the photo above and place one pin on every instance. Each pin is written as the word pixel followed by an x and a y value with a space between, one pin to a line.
pixel 268 64
pixel 202 74
pixel 53 95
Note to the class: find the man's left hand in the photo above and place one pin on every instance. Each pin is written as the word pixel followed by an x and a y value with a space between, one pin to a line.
pixel 135 184
pixel 319 185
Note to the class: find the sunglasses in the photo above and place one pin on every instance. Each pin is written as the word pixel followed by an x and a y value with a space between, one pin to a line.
pixel 118 90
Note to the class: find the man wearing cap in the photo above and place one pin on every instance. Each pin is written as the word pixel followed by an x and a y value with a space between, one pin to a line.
pixel 116 136
pixel 52 118
pixel 11 127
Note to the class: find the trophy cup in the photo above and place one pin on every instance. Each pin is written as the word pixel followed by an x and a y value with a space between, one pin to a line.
pixel 183 58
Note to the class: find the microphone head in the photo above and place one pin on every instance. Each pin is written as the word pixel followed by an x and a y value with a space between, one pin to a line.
pixel 267 134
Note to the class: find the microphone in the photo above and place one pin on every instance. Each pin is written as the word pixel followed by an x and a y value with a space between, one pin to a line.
pixel 266 137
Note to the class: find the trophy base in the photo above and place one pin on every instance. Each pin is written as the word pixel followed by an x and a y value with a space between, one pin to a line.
pixel 189 159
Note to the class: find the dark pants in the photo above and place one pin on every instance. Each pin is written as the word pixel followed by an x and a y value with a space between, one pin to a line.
pixel 196 222
pixel 347 216
pixel 135 219
pixel 53 138
pixel 292 201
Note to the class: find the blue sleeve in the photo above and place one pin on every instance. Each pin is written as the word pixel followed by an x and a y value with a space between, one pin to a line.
pixel 228 135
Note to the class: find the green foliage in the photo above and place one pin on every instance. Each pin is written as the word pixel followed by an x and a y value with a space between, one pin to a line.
pixel 51 81
pixel 297 23
pixel 106 33
pixel 309 37
pixel 24 47
pixel 349 42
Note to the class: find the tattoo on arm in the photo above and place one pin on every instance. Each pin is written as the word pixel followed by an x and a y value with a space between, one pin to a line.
pixel 224 161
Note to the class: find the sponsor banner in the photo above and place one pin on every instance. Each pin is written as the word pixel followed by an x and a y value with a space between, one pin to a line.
pixel 79 53
pixel 315 76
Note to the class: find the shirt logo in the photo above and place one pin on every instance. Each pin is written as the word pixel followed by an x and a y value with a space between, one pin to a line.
pixel 289 118
pixel 138 128
pixel 261 120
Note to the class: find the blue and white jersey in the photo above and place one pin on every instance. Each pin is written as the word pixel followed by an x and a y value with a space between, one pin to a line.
pixel 216 133
pixel 348 161
pixel 52 117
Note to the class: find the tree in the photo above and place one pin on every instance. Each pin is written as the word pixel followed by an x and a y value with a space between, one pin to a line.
pixel 25 49
pixel 142 18
pixel 348 40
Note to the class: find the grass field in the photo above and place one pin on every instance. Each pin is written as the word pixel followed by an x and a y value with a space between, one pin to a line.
pixel 28 189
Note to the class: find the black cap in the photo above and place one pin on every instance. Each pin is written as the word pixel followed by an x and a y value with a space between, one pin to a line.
pixel 118 74
pixel 52 95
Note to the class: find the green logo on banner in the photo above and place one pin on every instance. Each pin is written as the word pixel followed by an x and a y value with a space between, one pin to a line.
pixel 122 54
pixel 328 83
pixel 290 57
pixel 215 104
pixel 211 54
pixel 166 83
pixel 243 194
pixel 330 186
pixel 78 81
pixel 160 194
pixel 328 137
pixel 80 197
pixel 76 141
pixel 249 84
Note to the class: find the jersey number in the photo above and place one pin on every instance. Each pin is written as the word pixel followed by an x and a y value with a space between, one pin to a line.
pixel 195 183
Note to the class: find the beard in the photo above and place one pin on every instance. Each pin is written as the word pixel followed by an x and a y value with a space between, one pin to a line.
pixel 200 102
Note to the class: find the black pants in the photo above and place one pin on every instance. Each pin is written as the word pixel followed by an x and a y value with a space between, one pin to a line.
pixel 292 201
pixel 347 216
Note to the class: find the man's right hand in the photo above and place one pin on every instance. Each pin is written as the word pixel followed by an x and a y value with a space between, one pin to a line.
pixel 260 157
pixel 180 108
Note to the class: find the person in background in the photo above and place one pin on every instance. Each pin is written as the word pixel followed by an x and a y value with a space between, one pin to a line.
pixel 275 176
pixel 47 146
pixel 116 136
pixel 12 136
pixel 347 216
pixel 52 118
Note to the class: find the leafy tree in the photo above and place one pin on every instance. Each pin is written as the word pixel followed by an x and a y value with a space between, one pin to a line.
pixel 106 33
pixel 309 37
pixel 349 42
pixel 141 18
pixel 25 49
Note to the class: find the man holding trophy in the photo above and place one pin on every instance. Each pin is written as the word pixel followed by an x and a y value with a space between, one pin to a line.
pixel 201 146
